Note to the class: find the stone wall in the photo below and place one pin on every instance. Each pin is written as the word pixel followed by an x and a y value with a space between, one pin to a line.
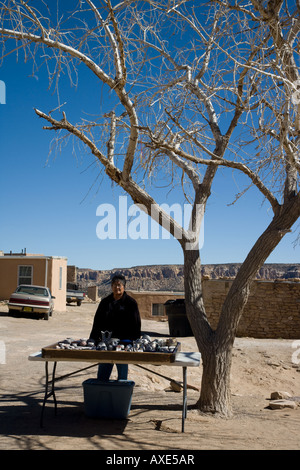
pixel 72 274
pixel 92 293
pixel 272 311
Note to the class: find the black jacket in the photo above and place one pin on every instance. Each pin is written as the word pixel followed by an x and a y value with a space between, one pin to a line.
pixel 121 317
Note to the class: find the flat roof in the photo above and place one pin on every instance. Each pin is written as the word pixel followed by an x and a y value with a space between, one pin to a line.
pixel 24 257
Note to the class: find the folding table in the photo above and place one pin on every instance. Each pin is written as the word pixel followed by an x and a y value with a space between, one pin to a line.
pixel 181 359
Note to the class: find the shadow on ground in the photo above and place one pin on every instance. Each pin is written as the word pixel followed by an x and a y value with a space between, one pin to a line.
pixel 20 417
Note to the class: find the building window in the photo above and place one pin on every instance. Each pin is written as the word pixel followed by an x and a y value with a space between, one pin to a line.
pixel 25 274
pixel 60 277
pixel 158 310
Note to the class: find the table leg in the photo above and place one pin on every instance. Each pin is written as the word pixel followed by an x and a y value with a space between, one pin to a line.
pixel 47 392
pixel 184 405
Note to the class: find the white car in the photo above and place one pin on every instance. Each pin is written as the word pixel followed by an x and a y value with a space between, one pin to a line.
pixel 32 299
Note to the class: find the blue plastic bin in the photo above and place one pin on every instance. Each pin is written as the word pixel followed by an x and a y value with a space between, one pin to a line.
pixel 111 399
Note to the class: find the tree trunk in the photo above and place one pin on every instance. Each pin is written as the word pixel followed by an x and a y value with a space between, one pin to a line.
pixel 215 396
pixel 216 361
pixel 215 346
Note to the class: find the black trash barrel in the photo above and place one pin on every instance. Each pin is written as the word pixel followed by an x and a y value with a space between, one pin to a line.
pixel 178 322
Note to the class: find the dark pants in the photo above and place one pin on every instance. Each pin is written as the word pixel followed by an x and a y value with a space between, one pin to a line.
pixel 104 371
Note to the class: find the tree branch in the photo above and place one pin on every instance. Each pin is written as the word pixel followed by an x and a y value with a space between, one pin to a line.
pixel 139 196
pixel 32 38
pixel 218 161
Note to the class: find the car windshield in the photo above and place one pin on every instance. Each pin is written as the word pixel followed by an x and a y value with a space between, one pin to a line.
pixel 32 290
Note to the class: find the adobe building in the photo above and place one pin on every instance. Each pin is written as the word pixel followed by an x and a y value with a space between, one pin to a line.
pixel 35 269
pixel 151 303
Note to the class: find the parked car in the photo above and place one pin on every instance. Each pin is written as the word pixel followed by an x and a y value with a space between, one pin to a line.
pixel 75 296
pixel 32 299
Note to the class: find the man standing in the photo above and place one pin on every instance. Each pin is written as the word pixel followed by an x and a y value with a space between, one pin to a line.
pixel 117 313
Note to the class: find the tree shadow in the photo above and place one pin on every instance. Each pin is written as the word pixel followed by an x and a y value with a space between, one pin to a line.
pixel 20 415
pixel 21 412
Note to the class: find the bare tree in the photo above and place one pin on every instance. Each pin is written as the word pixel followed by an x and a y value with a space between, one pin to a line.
pixel 198 86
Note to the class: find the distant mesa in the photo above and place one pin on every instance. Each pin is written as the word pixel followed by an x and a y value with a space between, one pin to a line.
pixel 170 277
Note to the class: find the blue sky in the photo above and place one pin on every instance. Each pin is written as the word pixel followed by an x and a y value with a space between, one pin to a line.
pixel 50 206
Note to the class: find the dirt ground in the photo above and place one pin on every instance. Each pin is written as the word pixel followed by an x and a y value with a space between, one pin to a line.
pixel 260 367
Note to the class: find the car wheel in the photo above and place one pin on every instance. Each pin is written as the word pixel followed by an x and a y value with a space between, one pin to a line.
pixel 46 316
pixel 78 303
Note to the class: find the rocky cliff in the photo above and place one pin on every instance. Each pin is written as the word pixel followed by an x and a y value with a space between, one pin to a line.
pixel 170 277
